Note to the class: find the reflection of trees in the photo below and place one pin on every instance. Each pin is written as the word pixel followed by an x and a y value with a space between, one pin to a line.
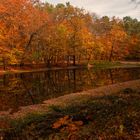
pixel 52 81
pixel 10 91
pixel 31 88
pixel 28 91
pixel 4 79
pixel 111 76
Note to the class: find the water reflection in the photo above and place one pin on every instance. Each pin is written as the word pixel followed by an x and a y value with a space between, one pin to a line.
pixel 32 88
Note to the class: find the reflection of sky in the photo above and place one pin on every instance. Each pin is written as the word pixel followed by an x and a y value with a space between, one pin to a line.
pixel 118 8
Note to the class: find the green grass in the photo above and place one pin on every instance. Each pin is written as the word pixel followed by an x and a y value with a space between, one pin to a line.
pixel 21 123
pixel 112 64
pixel 105 64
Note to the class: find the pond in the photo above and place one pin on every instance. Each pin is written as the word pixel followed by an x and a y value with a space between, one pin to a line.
pixel 25 89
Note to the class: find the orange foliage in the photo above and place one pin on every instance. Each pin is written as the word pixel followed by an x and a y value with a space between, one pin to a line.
pixel 66 123
pixel 19 20
pixel 33 32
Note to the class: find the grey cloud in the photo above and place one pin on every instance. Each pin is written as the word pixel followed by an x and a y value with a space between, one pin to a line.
pixel 118 8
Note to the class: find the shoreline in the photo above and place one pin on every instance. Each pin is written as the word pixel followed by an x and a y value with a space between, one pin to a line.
pixel 122 64
pixel 73 98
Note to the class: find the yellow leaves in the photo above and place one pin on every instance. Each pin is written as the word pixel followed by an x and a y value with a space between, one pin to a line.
pixel 66 123
pixel 20 18
pixel 117 33
pixel 62 29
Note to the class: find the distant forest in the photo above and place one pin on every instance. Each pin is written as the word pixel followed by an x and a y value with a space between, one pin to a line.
pixel 41 33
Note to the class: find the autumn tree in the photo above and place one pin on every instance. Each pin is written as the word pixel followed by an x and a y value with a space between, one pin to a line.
pixel 67 34
pixel 132 28
pixel 36 32
pixel 110 38
pixel 77 22
pixel 100 28
pixel 20 20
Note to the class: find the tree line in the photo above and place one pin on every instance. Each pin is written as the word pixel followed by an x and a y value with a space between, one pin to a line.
pixel 34 32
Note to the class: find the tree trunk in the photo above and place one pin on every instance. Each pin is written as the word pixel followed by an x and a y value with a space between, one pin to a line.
pixel 111 53
pixel 4 63
pixel 74 63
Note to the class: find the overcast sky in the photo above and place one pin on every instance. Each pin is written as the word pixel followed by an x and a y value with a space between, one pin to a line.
pixel 118 8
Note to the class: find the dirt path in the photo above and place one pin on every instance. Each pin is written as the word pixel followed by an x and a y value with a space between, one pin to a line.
pixel 74 98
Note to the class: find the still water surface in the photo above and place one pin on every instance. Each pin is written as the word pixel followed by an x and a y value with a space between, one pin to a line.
pixel 33 88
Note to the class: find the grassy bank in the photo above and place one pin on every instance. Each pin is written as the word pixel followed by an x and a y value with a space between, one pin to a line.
pixel 114 64
pixel 114 116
